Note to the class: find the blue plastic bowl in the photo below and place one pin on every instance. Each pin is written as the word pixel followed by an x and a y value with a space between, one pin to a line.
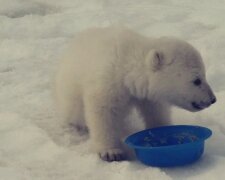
pixel 169 145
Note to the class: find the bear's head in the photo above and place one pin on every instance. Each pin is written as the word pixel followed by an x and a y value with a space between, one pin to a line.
pixel 179 76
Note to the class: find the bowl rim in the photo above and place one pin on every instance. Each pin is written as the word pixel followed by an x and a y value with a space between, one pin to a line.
pixel 127 140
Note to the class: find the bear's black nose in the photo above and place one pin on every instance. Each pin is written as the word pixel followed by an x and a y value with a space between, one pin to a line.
pixel 213 100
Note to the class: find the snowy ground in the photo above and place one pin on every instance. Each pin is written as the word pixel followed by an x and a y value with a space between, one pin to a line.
pixel 33 34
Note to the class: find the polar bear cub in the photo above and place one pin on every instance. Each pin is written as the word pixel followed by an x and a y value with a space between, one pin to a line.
pixel 107 71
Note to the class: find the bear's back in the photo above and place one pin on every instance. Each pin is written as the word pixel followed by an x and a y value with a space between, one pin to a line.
pixel 98 50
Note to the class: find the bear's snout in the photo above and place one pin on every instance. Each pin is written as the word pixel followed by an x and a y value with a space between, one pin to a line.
pixel 212 97
pixel 203 104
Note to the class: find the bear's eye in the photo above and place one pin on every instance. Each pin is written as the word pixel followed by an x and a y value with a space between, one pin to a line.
pixel 197 82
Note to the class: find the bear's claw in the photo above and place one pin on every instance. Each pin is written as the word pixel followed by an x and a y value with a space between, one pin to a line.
pixel 112 155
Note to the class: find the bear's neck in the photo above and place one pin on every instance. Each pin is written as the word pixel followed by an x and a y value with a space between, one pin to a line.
pixel 136 76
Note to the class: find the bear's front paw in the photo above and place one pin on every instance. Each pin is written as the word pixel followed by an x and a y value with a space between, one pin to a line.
pixel 112 155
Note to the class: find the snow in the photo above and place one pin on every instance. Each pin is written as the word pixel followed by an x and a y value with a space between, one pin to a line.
pixel 33 35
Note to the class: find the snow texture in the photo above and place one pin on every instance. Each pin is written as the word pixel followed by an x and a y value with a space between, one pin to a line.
pixel 33 35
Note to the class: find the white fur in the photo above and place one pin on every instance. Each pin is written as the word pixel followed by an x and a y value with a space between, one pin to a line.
pixel 109 70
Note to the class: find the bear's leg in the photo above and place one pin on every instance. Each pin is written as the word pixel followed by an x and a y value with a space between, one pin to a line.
pixel 154 113
pixel 103 116
pixel 73 113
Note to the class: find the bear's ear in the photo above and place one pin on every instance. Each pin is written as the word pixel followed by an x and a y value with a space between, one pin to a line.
pixel 154 59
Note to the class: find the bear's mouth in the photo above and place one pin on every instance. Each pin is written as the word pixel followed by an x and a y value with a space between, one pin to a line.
pixel 196 106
